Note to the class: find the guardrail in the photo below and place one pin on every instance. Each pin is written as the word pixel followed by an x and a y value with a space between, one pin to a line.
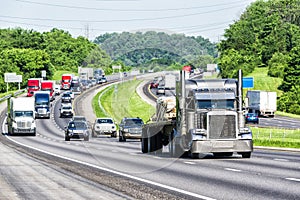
pixel 10 95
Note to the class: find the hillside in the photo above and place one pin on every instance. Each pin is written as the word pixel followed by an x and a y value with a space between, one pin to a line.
pixel 264 82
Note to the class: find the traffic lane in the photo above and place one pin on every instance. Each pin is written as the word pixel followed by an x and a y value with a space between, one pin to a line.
pixel 279 122
pixel 182 171
pixel 23 177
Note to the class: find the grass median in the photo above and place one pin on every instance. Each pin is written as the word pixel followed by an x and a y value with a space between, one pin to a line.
pixel 276 137
pixel 121 100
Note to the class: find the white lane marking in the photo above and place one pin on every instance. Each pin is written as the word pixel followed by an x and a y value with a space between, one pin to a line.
pixel 293 179
pixel 281 159
pixel 189 163
pixel 233 170
pixel 118 173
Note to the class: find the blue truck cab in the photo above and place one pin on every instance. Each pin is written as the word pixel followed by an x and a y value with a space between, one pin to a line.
pixel 42 104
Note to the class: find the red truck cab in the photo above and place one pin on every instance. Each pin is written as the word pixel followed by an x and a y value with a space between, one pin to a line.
pixel 48 85
pixel 66 81
pixel 33 84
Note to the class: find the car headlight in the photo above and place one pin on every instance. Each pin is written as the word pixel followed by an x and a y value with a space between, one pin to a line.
pixel 126 130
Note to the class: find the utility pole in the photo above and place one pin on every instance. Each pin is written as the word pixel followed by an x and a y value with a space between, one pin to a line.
pixel 87 31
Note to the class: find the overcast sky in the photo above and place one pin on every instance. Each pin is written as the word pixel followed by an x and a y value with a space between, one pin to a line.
pixel 91 18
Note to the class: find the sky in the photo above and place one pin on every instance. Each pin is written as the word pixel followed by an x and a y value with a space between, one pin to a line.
pixel 91 18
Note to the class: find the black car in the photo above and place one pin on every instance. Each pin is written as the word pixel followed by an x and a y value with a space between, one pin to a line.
pixel 77 130
pixel 130 128
pixel 252 118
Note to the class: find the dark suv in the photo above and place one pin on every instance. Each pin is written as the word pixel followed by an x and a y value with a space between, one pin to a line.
pixel 77 130
pixel 130 128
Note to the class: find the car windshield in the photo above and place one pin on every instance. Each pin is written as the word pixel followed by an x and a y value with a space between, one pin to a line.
pixel 66 95
pixel 107 121
pixel 132 122
pixel 77 125
pixel 215 104
pixel 23 113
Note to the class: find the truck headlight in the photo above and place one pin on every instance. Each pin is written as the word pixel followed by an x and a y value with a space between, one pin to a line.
pixel 198 137
pixel 245 133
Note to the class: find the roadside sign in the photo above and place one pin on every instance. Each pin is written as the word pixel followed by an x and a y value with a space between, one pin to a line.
pixel 9 77
pixel 248 82
pixel 43 73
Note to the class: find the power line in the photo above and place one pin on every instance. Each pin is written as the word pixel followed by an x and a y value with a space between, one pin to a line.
pixel 121 20
pixel 125 10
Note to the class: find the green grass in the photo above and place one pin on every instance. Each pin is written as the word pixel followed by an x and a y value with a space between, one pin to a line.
pixel 264 82
pixel 287 114
pixel 120 101
pixel 276 137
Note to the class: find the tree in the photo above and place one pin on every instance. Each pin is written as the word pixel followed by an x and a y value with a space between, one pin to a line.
pixel 26 62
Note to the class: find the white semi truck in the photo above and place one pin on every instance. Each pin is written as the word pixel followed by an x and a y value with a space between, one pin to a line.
pixel 21 116
pixel 261 102
pixel 209 119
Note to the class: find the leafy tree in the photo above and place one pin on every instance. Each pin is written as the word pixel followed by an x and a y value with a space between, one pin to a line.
pixel 277 64
pixel 137 49
pixel 26 62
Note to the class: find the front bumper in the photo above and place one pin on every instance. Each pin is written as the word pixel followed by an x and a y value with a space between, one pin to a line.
pixel 215 146
pixel 23 130
pixel 132 136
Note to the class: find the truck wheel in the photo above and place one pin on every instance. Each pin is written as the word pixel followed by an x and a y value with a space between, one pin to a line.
pixel 246 154
pixel 144 144
pixel 67 138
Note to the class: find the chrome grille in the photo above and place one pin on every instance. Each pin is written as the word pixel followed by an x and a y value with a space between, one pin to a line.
pixel 24 124
pixel 201 120
pixel 42 111
pixel 135 130
pixel 222 126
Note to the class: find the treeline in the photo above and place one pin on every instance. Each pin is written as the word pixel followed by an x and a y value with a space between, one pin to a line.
pixel 267 35
pixel 28 52
pixel 152 49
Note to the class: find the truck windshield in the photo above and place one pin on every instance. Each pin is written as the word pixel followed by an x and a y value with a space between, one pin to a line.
pixel 41 103
pixel 33 87
pixel 215 104
pixel 23 113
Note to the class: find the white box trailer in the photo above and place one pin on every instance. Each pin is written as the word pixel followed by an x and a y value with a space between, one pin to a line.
pixel 21 116
pixel 262 102
pixel 86 73
pixel 170 81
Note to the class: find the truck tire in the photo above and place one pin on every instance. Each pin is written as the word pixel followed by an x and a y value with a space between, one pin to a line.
pixel 144 145
pixel 34 133
pixel 157 146
pixel 246 154
pixel 67 138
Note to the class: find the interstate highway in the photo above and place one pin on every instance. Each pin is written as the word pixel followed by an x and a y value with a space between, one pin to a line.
pixel 266 175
